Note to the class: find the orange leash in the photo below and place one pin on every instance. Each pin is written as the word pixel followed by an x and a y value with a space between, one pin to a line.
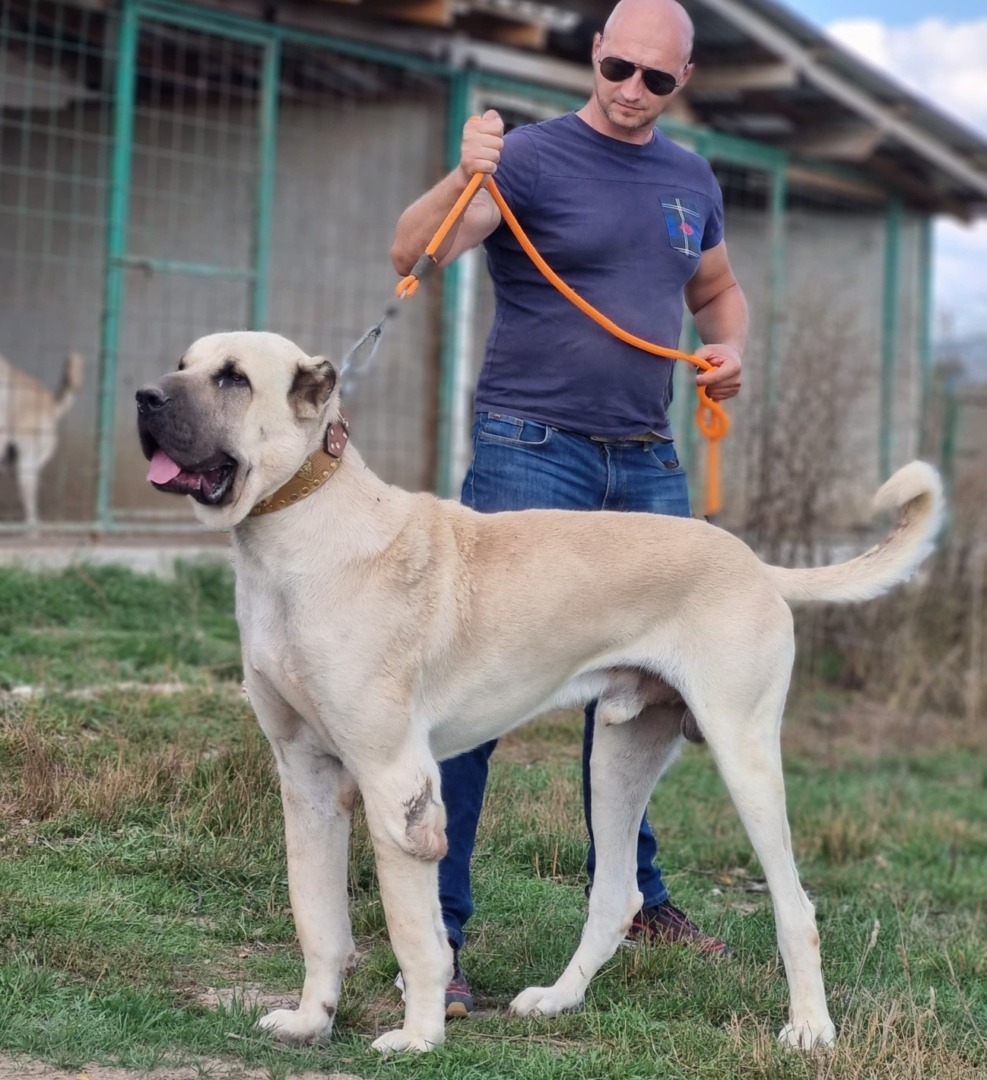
pixel 711 417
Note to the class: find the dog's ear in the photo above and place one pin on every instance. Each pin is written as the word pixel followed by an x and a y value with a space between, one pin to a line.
pixel 311 387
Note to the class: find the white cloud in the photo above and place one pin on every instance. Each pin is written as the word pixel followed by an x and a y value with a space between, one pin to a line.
pixel 944 63
pixel 940 61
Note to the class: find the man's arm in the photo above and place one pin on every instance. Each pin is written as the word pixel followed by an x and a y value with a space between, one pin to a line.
pixel 719 307
pixel 483 139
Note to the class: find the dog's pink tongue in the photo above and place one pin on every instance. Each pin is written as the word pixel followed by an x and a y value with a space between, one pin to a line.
pixel 162 468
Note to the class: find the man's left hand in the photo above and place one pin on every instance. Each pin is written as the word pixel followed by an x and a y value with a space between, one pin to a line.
pixel 722 381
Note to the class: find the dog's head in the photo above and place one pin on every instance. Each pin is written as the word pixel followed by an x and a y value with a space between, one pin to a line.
pixel 235 421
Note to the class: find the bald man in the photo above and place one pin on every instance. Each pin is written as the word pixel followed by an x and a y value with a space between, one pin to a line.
pixel 568 416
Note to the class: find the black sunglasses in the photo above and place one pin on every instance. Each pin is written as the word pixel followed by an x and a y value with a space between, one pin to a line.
pixel 613 69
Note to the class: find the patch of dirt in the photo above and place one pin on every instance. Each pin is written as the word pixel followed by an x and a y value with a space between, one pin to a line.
pixel 247 997
pixel 22 1069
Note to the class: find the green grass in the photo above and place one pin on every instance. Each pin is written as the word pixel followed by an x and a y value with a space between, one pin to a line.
pixel 85 626
pixel 143 880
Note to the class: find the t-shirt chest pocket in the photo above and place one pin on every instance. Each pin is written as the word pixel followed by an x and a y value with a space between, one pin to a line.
pixel 684 221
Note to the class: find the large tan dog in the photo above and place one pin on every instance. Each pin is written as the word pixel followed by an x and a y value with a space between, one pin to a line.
pixel 375 643
pixel 29 416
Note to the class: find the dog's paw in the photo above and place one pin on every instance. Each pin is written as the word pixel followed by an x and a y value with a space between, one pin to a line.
pixel 392 1042
pixel 808 1036
pixel 296 1026
pixel 544 1001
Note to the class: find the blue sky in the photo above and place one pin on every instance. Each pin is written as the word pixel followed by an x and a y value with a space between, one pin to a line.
pixel 939 52
pixel 900 13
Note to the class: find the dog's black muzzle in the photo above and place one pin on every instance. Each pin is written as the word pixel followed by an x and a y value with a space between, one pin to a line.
pixel 180 465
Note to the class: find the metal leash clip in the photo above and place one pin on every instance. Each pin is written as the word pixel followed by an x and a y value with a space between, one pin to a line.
pixel 360 355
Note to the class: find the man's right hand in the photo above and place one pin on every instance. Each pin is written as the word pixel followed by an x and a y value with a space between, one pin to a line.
pixel 483 140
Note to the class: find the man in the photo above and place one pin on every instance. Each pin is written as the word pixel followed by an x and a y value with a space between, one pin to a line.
pixel 569 417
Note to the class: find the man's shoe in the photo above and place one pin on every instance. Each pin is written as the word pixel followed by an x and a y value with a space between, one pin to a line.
pixel 459 997
pixel 667 925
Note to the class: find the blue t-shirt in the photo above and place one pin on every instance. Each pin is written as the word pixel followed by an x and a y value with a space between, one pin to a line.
pixel 624 226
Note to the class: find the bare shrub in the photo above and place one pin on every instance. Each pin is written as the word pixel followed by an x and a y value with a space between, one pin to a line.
pixel 803 421
pixel 920 649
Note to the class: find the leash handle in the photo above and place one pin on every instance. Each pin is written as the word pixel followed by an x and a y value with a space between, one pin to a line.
pixel 426 263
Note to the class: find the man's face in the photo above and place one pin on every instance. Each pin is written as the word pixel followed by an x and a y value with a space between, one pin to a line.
pixel 629 106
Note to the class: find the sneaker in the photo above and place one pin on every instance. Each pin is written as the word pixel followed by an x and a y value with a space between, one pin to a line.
pixel 459 997
pixel 667 925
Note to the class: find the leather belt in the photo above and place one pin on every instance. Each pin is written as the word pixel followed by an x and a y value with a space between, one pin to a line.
pixel 645 437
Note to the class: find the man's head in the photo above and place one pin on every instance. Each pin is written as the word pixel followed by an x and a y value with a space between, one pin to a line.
pixel 653 38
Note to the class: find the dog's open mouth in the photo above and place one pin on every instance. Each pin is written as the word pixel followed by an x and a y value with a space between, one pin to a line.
pixel 208 482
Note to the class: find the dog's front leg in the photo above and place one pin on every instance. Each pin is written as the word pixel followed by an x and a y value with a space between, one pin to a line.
pixel 28 482
pixel 407 823
pixel 318 796
pixel 627 761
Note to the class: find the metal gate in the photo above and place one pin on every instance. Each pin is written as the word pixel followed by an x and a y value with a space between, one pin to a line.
pixel 169 171
pixel 193 145
pixel 247 193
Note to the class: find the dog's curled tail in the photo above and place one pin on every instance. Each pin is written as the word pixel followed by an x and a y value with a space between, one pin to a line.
pixel 71 383
pixel 915 492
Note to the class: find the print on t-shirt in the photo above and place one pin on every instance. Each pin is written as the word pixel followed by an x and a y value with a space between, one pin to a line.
pixel 685 224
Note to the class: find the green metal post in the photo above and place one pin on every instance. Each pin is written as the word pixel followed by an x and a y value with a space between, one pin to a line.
pixel 457 113
pixel 685 374
pixel 116 244
pixel 926 357
pixel 890 327
pixel 687 437
pixel 776 286
pixel 267 156
pixel 950 433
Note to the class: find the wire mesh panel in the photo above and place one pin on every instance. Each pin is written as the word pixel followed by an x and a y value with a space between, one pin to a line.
pixel 353 140
pixel 358 140
pixel 55 125
pixel 188 262
pixel 168 173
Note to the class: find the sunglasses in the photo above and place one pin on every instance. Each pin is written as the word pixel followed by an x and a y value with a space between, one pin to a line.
pixel 613 69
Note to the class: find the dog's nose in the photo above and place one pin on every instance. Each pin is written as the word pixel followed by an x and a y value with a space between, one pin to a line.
pixel 150 398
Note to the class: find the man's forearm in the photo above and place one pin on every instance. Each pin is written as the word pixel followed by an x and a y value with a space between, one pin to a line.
pixel 724 319
pixel 418 224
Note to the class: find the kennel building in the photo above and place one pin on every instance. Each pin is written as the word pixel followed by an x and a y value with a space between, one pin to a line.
pixel 168 169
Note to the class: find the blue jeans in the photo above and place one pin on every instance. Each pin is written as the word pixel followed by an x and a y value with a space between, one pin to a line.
pixel 520 465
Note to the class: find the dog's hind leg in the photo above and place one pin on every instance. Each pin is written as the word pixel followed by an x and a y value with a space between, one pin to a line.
pixel 627 760
pixel 747 752
pixel 318 797
pixel 407 823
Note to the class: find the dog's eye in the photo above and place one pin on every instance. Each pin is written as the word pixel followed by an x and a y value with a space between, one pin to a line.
pixel 230 377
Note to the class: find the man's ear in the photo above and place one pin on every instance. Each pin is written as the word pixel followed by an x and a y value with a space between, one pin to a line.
pixel 311 387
